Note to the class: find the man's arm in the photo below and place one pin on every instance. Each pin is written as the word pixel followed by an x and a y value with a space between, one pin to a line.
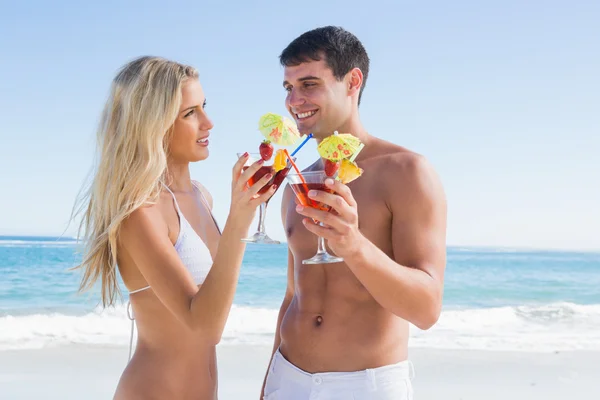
pixel 411 284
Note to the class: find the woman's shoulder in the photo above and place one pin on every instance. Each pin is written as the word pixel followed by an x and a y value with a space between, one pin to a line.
pixel 147 216
pixel 204 192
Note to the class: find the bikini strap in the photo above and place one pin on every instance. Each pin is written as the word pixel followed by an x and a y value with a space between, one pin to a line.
pixel 205 201
pixel 174 198
pixel 132 318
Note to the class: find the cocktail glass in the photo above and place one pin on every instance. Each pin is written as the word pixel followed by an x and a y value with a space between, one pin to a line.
pixel 301 184
pixel 260 236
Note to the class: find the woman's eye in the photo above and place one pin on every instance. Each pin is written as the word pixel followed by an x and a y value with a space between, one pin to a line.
pixel 188 114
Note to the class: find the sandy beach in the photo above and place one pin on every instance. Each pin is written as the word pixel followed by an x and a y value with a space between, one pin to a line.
pixel 81 372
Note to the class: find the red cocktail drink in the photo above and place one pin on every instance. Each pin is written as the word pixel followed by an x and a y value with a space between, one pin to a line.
pixel 301 184
pixel 278 177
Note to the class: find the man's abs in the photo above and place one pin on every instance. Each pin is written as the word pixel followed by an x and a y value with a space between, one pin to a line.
pixel 322 333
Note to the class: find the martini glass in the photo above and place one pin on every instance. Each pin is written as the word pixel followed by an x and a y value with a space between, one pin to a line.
pixel 260 236
pixel 301 184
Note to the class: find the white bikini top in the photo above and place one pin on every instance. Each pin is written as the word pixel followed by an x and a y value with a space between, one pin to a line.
pixel 192 250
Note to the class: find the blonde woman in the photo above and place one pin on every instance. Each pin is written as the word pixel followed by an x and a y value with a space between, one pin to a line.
pixel 145 217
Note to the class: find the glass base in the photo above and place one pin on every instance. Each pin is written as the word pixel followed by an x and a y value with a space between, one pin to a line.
pixel 323 258
pixel 260 238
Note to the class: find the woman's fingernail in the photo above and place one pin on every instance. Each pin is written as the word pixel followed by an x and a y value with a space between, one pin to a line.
pixel 312 193
pixel 268 176
pixel 274 187
pixel 261 161
pixel 329 181
pixel 299 208
pixel 245 155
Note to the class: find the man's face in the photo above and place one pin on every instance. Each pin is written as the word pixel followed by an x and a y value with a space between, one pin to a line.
pixel 317 101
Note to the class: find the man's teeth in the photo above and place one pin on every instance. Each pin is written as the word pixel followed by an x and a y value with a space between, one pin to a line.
pixel 306 114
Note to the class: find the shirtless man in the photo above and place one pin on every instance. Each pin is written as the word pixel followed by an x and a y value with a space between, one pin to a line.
pixel 343 328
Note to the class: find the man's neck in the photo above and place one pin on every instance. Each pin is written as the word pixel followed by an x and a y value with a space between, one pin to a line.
pixel 354 127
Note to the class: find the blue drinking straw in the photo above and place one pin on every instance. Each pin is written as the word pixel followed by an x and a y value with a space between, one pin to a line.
pixel 310 135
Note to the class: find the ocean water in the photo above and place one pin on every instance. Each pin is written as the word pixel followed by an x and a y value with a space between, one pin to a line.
pixel 494 299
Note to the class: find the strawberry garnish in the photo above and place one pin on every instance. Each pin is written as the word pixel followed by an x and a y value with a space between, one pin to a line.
pixel 331 167
pixel 266 150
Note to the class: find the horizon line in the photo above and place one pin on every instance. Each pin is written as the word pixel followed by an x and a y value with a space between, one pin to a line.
pixel 448 245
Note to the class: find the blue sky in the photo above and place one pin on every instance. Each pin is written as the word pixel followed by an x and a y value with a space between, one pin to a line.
pixel 502 97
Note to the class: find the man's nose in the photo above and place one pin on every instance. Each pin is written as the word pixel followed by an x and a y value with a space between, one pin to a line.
pixel 295 98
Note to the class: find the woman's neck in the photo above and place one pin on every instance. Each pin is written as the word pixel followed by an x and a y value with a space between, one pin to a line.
pixel 178 178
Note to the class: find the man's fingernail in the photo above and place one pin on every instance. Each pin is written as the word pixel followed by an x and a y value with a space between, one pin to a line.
pixel 329 181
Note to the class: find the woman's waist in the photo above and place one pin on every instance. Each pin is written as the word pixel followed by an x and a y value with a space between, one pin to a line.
pixel 159 331
pixel 175 344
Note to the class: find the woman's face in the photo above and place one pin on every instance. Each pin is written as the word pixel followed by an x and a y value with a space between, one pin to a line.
pixel 189 141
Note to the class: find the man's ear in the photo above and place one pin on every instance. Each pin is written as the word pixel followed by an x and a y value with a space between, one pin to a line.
pixel 355 81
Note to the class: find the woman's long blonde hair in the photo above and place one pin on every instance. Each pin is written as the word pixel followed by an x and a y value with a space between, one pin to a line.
pixel 132 140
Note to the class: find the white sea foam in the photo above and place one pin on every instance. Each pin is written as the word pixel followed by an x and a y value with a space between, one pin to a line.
pixel 39 243
pixel 552 327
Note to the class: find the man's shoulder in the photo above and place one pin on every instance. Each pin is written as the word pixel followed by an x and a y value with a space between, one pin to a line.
pixel 408 174
pixel 401 162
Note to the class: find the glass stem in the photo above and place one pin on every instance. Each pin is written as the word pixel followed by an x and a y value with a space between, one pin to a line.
pixel 321 243
pixel 261 217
